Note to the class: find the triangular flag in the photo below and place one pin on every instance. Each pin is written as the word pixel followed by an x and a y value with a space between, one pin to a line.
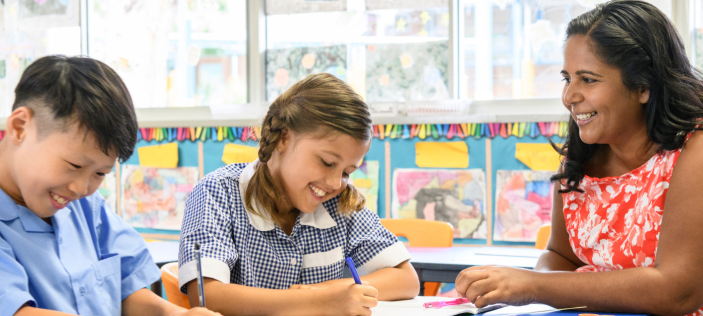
pixel 503 132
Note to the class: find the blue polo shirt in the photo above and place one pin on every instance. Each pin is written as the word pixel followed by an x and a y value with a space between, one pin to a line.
pixel 85 263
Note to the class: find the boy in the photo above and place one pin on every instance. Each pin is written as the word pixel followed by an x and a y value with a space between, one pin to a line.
pixel 61 249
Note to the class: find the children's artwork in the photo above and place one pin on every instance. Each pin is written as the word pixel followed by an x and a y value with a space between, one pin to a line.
pixel 523 204
pixel 454 196
pixel 407 72
pixel 155 197
pixel 365 179
pixel 39 14
pixel 285 67
pixel 303 6
pixel 108 190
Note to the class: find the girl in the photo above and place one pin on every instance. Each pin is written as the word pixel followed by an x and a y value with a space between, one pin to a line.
pixel 627 209
pixel 274 233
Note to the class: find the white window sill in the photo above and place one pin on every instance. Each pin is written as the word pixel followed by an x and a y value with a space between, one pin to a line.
pixel 500 111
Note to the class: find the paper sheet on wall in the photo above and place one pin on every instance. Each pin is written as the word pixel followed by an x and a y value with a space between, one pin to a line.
pixel 538 156
pixel 365 179
pixel 442 155
pixel 523 204
pixel 454 196
pixel 155 197
pixel 234 153
pixel 159 156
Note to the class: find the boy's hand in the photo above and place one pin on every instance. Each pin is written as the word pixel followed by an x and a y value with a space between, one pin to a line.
pixel 197 311
pixel 349 299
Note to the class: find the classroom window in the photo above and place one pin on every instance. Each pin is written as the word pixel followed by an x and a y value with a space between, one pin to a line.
pixel 386 50
pixel 173 53
pixel 697 22
pixel 512 49
pixel 28 31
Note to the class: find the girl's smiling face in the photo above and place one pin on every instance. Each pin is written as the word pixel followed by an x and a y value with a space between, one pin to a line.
pixel 605 110
pixel 314 167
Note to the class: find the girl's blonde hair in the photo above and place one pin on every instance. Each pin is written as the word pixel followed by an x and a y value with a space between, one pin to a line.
pixel 316 102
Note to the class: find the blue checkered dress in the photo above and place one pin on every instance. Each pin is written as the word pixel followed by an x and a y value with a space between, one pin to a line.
pixel 242 248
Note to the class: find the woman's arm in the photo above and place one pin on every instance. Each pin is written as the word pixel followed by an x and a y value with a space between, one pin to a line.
pixel 234 299
pixel 560 256
pixel 672 286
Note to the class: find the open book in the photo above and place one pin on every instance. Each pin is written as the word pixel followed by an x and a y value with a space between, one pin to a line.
pixel 415 307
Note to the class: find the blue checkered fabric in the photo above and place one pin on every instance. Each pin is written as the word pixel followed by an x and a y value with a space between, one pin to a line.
pixel 216 218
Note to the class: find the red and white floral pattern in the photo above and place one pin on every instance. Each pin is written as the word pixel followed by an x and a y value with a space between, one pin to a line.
pixel 615 223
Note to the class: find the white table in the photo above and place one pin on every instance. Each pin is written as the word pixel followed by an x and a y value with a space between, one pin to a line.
pixel 414 308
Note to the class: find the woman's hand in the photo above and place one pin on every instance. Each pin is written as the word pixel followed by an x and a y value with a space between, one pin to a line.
pixel 488 285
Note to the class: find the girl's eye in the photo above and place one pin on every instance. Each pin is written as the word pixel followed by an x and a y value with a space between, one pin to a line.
pixel 345 175
pixel 74 165
pixel 101 174
pixel 325 163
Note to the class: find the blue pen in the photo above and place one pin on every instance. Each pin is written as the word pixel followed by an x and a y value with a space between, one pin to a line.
pixel 352 268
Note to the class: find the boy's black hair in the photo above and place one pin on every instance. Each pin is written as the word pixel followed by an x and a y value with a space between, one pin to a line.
pixel 80 90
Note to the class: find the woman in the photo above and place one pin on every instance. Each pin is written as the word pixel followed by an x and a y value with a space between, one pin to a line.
pixel 628 205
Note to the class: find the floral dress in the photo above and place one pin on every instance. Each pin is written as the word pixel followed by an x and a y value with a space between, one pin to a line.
pixel 615 223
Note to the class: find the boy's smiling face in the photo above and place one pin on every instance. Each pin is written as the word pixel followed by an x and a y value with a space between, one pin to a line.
pixel 49 169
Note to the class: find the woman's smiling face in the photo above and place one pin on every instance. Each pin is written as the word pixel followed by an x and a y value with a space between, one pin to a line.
pixel 605 110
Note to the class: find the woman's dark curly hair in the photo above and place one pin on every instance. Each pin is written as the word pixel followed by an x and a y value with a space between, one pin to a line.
pixel 637 38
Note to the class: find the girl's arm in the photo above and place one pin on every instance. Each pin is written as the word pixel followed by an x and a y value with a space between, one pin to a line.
pixel 673 285
pixel 560 256
pixel 234 299
pixel 396 283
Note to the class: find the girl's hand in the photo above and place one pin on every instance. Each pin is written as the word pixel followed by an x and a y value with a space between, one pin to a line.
pixel 488 285
pixel 348 299
pixel 324 285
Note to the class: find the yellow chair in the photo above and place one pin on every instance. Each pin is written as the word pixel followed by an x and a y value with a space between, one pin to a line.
pixel 169 277
pixel 422 233
pixel 543 236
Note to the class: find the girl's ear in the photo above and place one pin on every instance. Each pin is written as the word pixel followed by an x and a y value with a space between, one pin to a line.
pixel 284 140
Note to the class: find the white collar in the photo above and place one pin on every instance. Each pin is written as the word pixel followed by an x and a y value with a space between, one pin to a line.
pixel 320 218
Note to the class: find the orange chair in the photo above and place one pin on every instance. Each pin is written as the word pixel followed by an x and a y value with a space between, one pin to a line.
pixel 169 277
pixel 543 236
pixel 422 233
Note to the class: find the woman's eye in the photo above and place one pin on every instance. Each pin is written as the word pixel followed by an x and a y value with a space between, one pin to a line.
pixel 567 80
pixel 588 80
